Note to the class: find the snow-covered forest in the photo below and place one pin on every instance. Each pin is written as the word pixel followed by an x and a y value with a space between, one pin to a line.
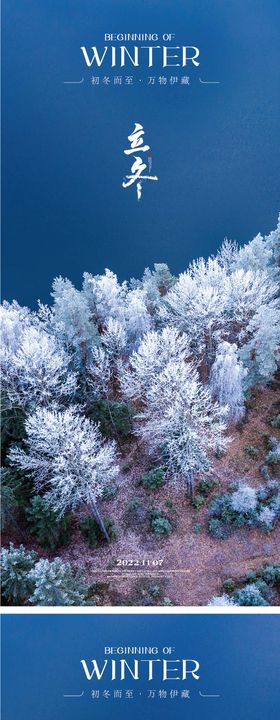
pixel 131 397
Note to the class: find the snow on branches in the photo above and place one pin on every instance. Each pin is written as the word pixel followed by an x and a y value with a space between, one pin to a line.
pixel 155 351
pixel 183 353
pixel 180 419
pixel 227 381
pixel 35 368
pixel 67 458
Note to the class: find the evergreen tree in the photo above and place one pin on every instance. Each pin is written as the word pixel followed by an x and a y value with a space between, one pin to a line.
pixel 54 583
pixel 16 564
pixel 9 503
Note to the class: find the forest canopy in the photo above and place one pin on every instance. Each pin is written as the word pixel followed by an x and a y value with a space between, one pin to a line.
pixel 166 362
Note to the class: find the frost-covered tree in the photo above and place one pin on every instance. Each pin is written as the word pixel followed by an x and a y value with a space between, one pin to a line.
pixel 197 304
pixel 154 285
pixel 54 583
pixel 14 322
pixel 105 296
pixel 218 298
pixel 244 499
pixel 108 299
pixel 114 338
pixel 73 321
pixel 220 600
pixel 8 500
pixel 156 350
pixel 100 373
pixel 161 277
pixel 103 384
pixel 256 255
pixel 275 504
pixel 67 457
pixel 106 360
pixel 227 381
pixel 25 581
pixel 177 412
pixel 251 595
pixel 16 564
pixel 267 516
pixel 143 341
pixel 138 320
pixel 261 353
pixel 14 319
pixel 227 255
pixel 273 243
pixel 180 418
pixel 34 367
pixel 250 291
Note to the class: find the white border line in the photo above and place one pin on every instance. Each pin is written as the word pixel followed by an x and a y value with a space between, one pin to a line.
pixel 138 610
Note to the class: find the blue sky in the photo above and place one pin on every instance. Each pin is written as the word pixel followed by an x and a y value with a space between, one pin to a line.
pixel 215 147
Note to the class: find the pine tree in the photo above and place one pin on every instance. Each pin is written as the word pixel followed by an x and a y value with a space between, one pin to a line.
pixel 54 583
pixel 9 503
pixel 16 564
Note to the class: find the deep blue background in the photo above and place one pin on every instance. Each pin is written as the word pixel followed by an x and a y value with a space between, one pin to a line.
pixel 215 147
pixel 239 657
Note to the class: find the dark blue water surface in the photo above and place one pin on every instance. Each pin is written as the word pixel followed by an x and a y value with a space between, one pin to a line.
pixel 215 147
pixel 239 660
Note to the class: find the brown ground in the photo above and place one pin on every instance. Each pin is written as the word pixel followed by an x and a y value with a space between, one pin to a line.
pixel 194 566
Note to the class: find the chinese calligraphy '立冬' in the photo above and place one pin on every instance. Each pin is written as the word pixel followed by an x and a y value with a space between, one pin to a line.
pixel 139 166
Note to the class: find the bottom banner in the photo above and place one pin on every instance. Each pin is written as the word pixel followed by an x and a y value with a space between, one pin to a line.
pixel 85 667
